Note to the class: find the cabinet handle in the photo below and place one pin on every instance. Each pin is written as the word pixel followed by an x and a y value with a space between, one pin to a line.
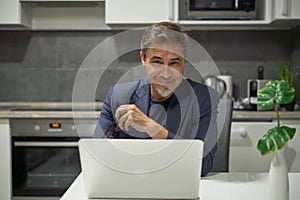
pixel 242 132
pixel 46 144
pixel 171 9
pixel 284 10
pixel 236 4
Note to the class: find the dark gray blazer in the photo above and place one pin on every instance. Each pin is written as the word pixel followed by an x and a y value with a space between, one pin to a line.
pixel 191 113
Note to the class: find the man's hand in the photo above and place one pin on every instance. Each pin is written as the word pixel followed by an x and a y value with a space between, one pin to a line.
pixel 130 115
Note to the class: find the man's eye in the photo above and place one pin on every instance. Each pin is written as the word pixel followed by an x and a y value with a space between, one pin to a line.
pixel 156 63
pixel 174 63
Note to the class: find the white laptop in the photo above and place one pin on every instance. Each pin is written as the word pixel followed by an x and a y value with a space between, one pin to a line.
pixel 152 169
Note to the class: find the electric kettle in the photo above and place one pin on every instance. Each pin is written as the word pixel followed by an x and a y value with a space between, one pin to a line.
pixel 218 84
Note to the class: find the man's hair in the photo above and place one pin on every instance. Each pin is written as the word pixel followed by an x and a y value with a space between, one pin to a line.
pixel 164 33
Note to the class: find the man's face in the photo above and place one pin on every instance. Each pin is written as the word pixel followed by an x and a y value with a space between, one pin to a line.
pixel 164 69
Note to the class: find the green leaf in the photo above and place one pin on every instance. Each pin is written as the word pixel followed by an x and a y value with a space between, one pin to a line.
pixel 278 91
pixel 275 139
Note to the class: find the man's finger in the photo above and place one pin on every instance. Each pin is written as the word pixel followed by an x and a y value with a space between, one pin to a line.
pixel 120 112
pixel 122 121
pixel 128 123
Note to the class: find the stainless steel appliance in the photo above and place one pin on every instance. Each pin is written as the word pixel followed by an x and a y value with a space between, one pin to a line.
pixel 225 9
pixel 218 84
pixel 253 85
pixel 45 157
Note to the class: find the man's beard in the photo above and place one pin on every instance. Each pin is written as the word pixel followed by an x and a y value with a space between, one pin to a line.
pixel 164 93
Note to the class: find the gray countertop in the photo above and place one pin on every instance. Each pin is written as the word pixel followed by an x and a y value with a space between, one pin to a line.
pixel 264 115
pixel 50 110
pixel 92 110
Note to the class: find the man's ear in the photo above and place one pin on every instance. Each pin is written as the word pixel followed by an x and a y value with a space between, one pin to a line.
pixel 142 58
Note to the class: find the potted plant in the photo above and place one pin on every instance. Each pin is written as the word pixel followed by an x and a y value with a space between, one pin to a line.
pixel 275 93
pixel 284 72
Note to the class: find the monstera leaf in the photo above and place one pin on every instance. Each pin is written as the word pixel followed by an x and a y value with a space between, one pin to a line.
pixel 273 94
pixel 278 91
pixel 275 139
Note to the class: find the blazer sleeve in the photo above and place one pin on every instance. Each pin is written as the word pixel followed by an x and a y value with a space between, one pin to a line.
pixel 106 123
pixel 208 130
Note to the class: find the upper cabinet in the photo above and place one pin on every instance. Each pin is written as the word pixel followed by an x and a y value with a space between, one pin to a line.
pixel 286 9
pixel 66 14
pixel 138 11
pixel 12 12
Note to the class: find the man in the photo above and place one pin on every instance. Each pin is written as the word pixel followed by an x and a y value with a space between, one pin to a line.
pixel 165 105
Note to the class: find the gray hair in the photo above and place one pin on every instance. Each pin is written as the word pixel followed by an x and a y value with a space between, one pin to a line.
pixel 164 33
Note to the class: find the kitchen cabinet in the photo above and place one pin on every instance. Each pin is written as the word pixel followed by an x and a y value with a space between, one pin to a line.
pixel 12 12
pixel 244 157
pixel 286 9
pixel 138 11
pixel 5 152
pixel 67 14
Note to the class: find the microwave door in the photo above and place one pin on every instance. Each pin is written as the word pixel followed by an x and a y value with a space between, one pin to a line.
pixel 212 5
pixel 225 9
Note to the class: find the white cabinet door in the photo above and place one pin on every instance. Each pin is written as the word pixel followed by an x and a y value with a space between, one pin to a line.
pixel 286 9
pixel 5 155
pixel 9 11
pixel 244 157
pixel 12 12
pixel 138 11
pixel 293 146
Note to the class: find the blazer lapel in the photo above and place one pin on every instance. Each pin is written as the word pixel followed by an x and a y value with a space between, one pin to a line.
pixel 141 97
pixel 178 102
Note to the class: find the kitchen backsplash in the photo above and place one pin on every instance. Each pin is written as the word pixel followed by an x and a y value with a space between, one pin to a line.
pixel 42 65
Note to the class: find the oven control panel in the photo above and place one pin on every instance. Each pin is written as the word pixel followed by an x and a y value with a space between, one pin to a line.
pixel 52 127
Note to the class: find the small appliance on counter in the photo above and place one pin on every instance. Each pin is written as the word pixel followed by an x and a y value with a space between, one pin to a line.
pixel 229 86
pixel 253 85
pixel 218 84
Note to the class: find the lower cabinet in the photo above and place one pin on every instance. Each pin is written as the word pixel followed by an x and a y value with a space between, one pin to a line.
pixel 244 157
pixel 5 166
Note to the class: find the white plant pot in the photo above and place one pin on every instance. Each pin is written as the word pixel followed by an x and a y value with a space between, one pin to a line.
pixel 278 177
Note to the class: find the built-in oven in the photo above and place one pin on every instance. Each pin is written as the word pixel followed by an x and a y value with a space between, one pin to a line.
pixel 45 157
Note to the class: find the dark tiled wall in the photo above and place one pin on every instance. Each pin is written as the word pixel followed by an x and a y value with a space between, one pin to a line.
pixel 42 66
pixel 296 60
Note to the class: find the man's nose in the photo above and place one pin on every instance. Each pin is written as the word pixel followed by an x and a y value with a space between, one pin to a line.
pixel 165 72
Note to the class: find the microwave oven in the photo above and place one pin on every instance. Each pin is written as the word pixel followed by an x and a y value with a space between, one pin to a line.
pixel 221 9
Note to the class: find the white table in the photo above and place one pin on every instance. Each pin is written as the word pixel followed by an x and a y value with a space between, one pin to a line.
pixel 220 186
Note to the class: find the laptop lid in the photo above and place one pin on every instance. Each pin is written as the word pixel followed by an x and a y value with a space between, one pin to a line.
pixel 156 169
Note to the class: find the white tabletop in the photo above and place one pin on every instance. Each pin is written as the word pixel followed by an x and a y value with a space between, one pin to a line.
pixel 223 186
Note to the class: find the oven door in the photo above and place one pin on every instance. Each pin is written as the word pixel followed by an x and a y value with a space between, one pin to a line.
pixel 43 168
